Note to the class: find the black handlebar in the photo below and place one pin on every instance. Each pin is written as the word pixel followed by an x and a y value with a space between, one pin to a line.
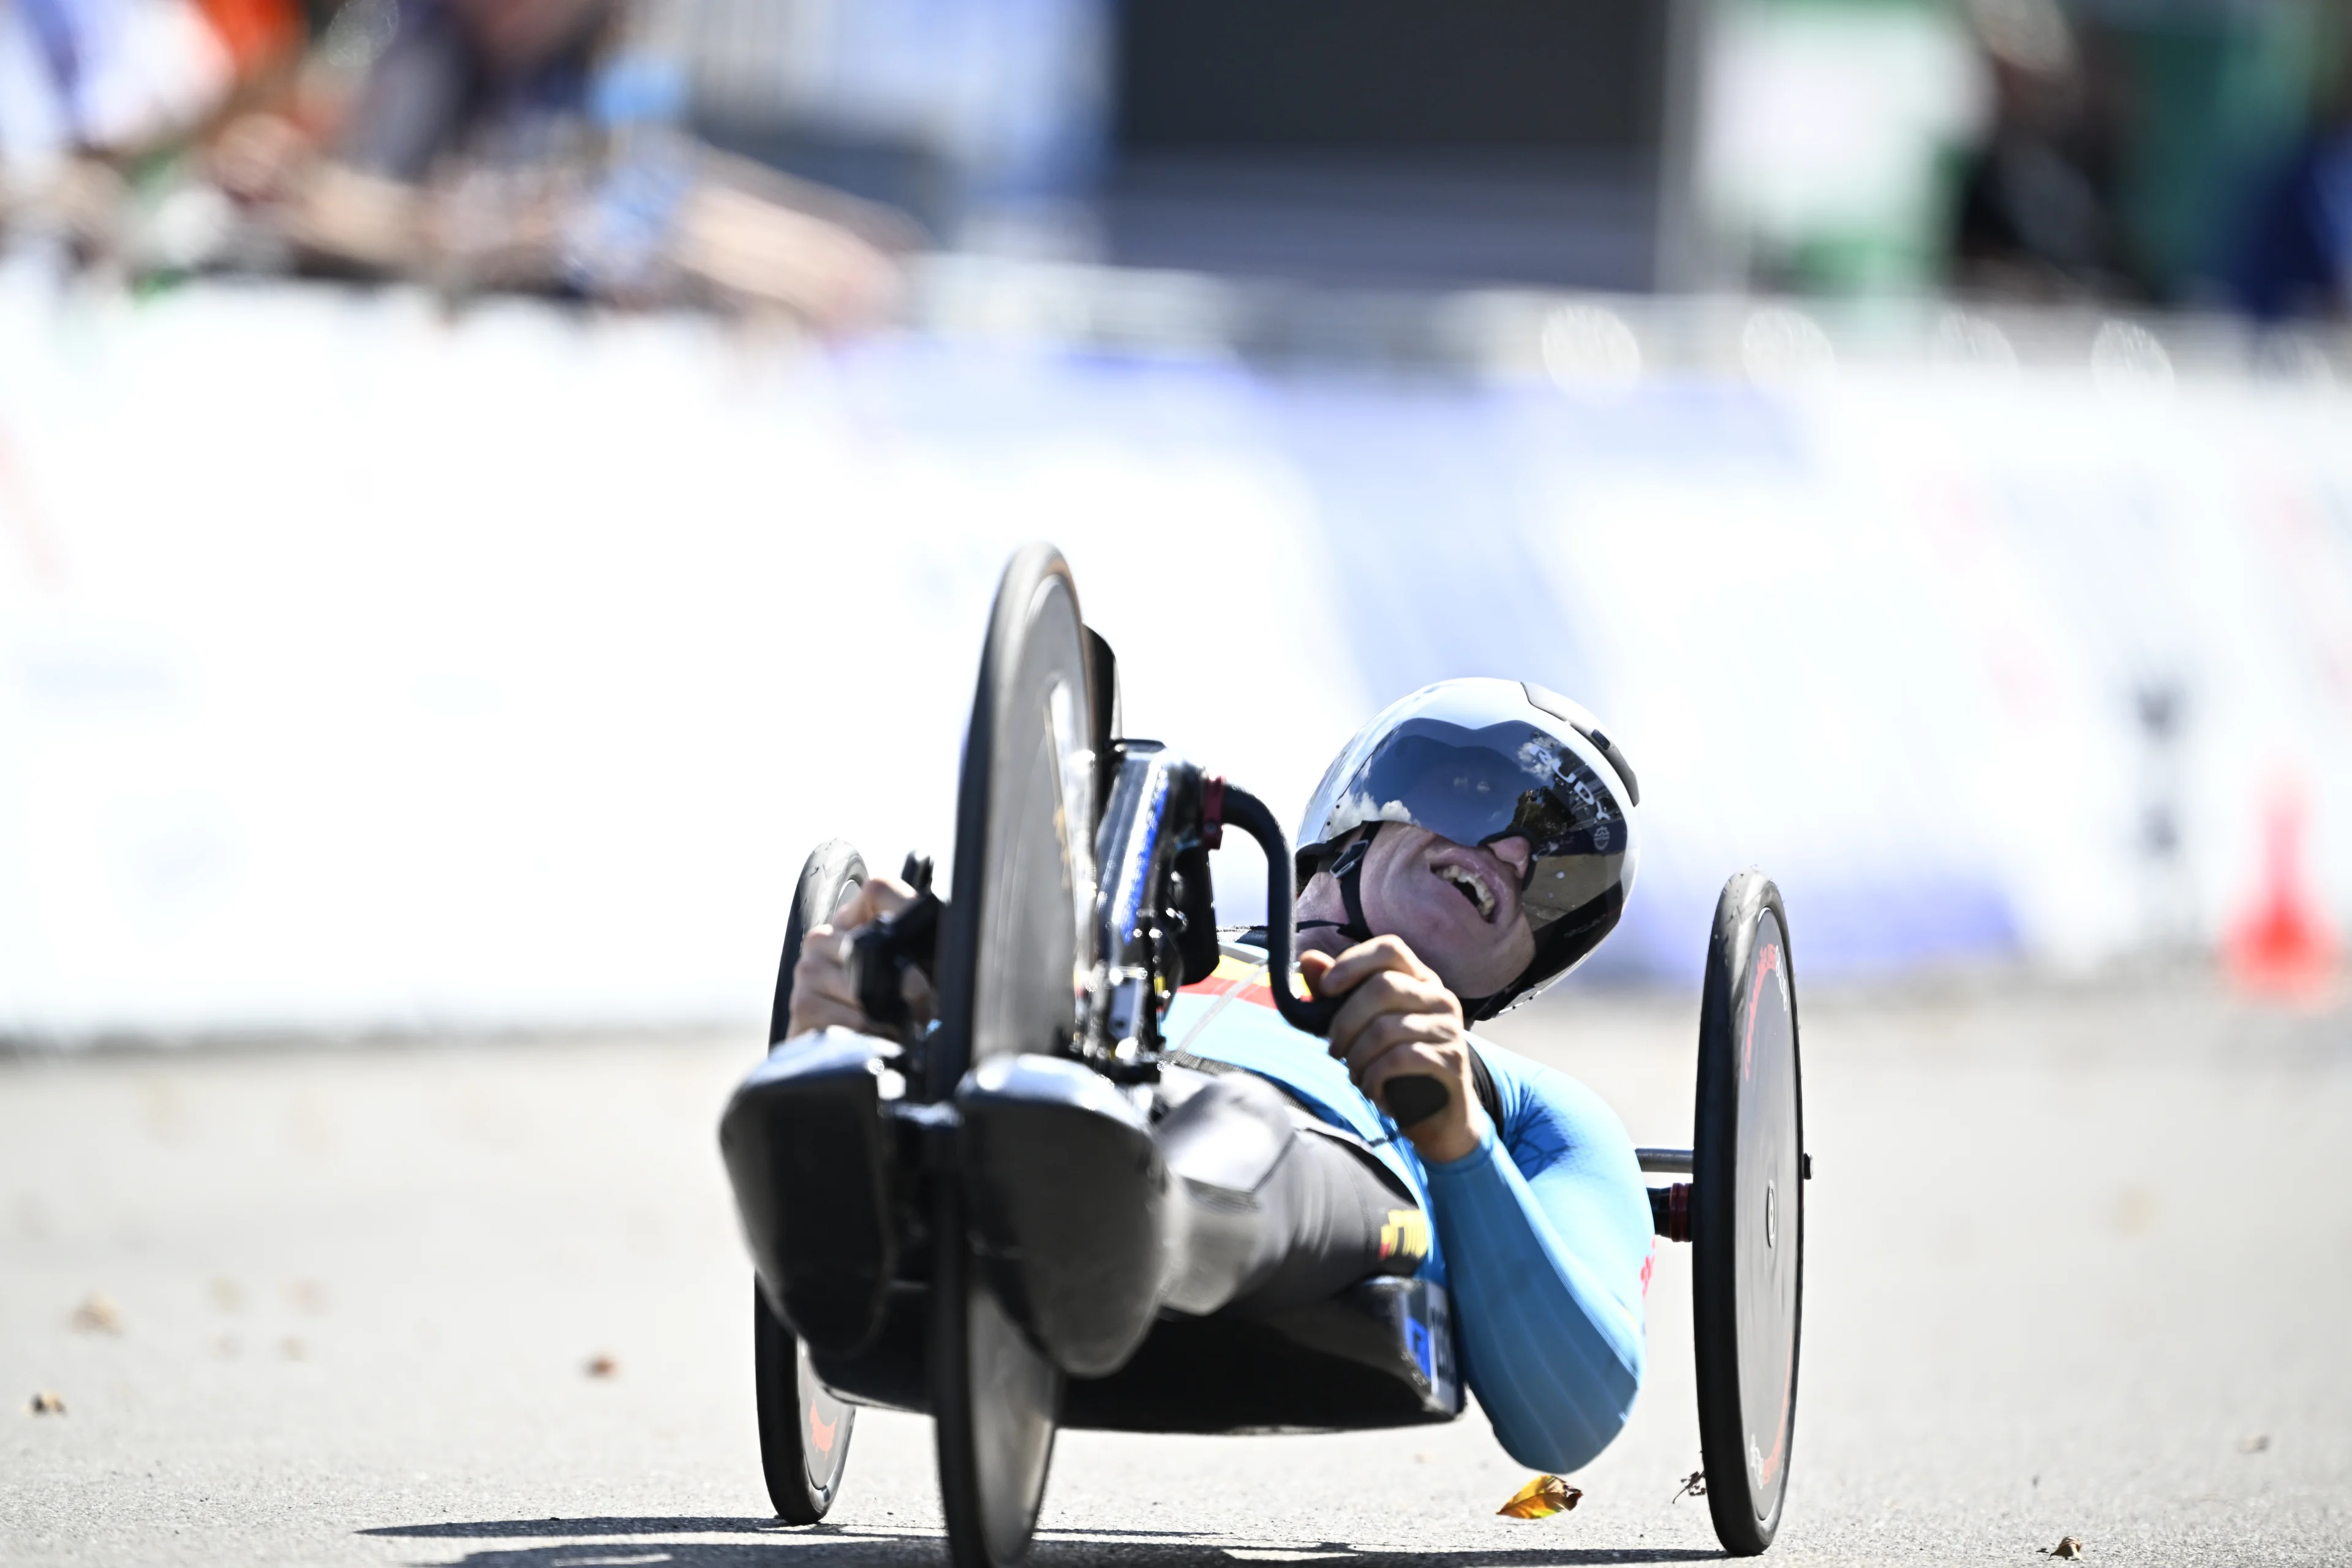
pixel 1247 812
pixel 880 955
pixel 1411 1100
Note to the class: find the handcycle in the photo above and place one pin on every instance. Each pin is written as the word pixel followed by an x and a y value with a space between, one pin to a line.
pixel 1081 901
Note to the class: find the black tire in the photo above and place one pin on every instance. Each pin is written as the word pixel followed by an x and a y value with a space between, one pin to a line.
pixel 1018 928
pixel 833 870
pixel 1748 1219
pixel 1019 923
pixel 804 1430
pixel 994 1401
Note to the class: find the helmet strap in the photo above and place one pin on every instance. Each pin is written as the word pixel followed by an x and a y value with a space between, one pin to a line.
pixel 1347 868
pixel 1347 871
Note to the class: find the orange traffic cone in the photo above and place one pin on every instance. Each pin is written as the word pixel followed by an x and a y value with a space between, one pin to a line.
pixel 2281 946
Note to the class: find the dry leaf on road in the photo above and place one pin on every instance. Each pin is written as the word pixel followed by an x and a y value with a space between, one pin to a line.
pixel 2069 1546
pixel 46 1403
pixel 97 1314
pixel 1694 1485
pixel 1541 1497
pixel 602 1365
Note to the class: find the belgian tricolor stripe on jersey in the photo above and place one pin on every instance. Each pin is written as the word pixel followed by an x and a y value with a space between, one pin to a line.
pixel 1239 978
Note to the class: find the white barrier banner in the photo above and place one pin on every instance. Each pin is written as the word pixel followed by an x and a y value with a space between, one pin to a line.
pixel 371 668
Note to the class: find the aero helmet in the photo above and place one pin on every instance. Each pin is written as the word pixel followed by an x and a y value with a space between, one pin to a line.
pixel 1480 759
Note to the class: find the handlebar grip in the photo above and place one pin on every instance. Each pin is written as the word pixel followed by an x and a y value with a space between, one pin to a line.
pixel 1415 1098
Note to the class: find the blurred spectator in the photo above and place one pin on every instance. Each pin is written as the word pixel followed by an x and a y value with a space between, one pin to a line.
pixel 531 145
pixel 2296 258
pixel 114 76
pixel 1830 137
pixel 492 80
pixel 456 155
pixel 2038 212
pixel 90 90
pixel 526 144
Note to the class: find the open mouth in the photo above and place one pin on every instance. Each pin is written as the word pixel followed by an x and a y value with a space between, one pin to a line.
pixel 1472 887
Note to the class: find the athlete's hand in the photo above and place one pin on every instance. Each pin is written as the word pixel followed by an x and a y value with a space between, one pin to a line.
pixel 1400 1019
pixel 822 991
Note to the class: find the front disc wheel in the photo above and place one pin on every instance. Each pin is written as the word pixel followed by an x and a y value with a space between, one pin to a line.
pixel 995 1401
pixel 1015 943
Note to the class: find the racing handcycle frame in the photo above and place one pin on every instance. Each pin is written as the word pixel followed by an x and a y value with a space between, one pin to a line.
pixel 1060 815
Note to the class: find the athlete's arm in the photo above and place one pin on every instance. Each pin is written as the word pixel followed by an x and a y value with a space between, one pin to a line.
pixel 1543 1222
pixel 1399 1019
pixel 1545 1231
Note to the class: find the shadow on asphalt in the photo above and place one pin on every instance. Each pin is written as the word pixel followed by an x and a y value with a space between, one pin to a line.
pixel 605 1543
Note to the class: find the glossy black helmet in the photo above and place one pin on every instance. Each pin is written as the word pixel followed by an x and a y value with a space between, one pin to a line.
pixel 1480 759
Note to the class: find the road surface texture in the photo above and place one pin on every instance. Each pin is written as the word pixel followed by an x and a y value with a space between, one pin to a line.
pixel 2081 1265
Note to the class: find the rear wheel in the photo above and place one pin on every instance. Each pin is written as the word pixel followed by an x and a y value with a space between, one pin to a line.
pixel 1015 945
pixel 804 1430
pixel 833 872
pixel 1747 1220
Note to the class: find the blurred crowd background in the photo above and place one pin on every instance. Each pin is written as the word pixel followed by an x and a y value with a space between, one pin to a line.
pixel 485 485
pixel 2171 153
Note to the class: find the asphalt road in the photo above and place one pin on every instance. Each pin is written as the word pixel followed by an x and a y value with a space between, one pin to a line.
pixel 2081 1263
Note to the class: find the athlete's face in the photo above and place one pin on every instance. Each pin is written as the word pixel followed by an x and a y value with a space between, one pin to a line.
pixel 1456 906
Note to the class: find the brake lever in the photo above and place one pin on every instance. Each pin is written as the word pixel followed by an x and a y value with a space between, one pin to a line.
pixel 1411 1098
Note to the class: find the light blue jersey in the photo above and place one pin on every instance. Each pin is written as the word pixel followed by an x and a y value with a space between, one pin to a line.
pixel 1543 1234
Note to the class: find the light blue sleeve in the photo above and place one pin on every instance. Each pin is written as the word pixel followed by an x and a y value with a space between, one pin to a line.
pixel 1546 1234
